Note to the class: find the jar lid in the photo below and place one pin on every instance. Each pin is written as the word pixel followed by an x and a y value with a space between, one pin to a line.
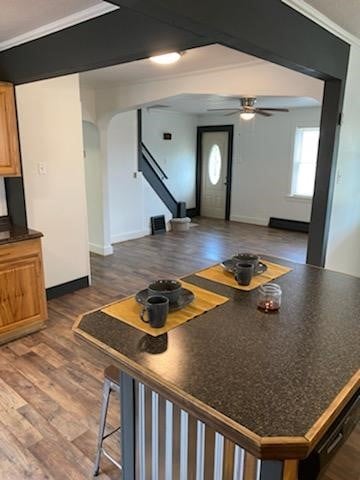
pixel 270 288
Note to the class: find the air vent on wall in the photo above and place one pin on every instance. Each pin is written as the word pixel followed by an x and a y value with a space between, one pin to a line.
pixel 158 224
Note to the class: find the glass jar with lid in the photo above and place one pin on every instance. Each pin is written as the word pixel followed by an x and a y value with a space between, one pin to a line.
pixel 269 297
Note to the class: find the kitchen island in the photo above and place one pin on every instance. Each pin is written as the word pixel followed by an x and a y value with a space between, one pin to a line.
pixel 236 393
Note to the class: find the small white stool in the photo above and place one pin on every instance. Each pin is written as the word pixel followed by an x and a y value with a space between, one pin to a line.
pixel 111 384
pixel 180 224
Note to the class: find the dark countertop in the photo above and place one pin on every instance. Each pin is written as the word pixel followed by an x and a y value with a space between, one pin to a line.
pixel 275 374
pixel 14 233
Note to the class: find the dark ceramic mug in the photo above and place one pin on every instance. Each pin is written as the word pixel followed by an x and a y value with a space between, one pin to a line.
pixel 244 273
pixel 157 309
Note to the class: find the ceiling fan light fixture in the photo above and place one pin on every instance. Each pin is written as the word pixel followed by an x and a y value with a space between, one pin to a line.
pixel 166 59
pixel 247 115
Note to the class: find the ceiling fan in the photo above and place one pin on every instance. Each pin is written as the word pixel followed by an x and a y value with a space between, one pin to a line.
pixel 248 110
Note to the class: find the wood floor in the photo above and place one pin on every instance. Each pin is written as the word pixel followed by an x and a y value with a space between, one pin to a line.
pixel 50 382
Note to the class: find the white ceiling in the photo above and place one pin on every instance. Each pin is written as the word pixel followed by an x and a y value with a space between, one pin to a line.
pixel 345 13
pixel 200 104
pixel 196 59
pixel 21 17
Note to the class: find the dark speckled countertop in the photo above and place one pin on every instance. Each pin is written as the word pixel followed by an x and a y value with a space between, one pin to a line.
pixel 13 233
pixel 273 374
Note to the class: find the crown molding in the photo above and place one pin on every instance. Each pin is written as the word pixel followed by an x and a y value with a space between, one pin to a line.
pixel 313 14
pixel 65 22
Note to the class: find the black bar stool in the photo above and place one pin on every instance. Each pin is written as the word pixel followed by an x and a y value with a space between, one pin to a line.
pixel 111 384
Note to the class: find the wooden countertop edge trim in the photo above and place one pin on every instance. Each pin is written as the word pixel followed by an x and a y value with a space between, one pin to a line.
pixel 324 421
pixel 261 447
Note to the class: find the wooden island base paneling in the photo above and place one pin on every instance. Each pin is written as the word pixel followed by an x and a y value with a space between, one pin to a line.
pixel 23 306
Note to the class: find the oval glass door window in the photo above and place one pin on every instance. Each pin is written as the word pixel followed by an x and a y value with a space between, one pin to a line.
pixel 214 164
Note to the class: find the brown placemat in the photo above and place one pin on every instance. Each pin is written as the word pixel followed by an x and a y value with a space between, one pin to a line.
pixel 128 310
pixel 217 273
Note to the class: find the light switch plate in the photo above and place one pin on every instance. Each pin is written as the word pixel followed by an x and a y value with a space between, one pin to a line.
pixel 41 166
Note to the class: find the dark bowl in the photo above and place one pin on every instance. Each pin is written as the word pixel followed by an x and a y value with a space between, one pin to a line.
pixel 170 289
pixel 245 258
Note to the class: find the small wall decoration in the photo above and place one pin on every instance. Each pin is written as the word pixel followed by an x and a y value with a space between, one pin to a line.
pixel 167 136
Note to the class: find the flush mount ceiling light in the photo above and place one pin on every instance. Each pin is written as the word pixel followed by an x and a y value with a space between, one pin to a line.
pixel 167 58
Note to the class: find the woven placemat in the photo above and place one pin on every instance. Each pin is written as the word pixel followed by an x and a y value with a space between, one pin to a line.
pixel 218 274
pixel 128 310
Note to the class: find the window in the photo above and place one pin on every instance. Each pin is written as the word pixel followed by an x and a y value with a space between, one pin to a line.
pixel 305 156
pixel 214 164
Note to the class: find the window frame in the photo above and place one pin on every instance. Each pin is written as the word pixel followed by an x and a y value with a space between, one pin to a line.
pixel 295 160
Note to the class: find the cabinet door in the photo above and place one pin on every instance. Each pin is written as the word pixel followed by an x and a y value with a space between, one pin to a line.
pixel 9 140
pixel 22 293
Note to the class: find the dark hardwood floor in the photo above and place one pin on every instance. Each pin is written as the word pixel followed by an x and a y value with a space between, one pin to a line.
pixel 50 382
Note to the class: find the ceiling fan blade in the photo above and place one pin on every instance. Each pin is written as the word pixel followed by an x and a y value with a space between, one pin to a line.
pixel 157 106
pixel 221 109
pixel 274 109
pixel 234 112
pixel 261 112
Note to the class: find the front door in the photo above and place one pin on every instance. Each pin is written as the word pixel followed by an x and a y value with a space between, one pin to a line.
pixel 214 174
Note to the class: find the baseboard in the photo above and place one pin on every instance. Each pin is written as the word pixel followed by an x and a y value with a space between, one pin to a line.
pixel 293 225
pixel 253 220
pixel 68 287
pixel 122 237
pixel 103 250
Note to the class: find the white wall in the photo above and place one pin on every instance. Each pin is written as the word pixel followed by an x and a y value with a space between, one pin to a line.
pixel 3 206
pixel 153 206
pixel 177 157
pixel 88 104
pixel 343 252
pixel 131 199
pixel 125 191
pixel 94 188
pixel 49 114
pixel 262 165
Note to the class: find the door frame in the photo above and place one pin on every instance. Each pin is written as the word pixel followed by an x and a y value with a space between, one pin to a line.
pixel 214 128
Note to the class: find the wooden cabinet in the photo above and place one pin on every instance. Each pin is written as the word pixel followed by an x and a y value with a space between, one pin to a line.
pixel 22 293
pixel 9 139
